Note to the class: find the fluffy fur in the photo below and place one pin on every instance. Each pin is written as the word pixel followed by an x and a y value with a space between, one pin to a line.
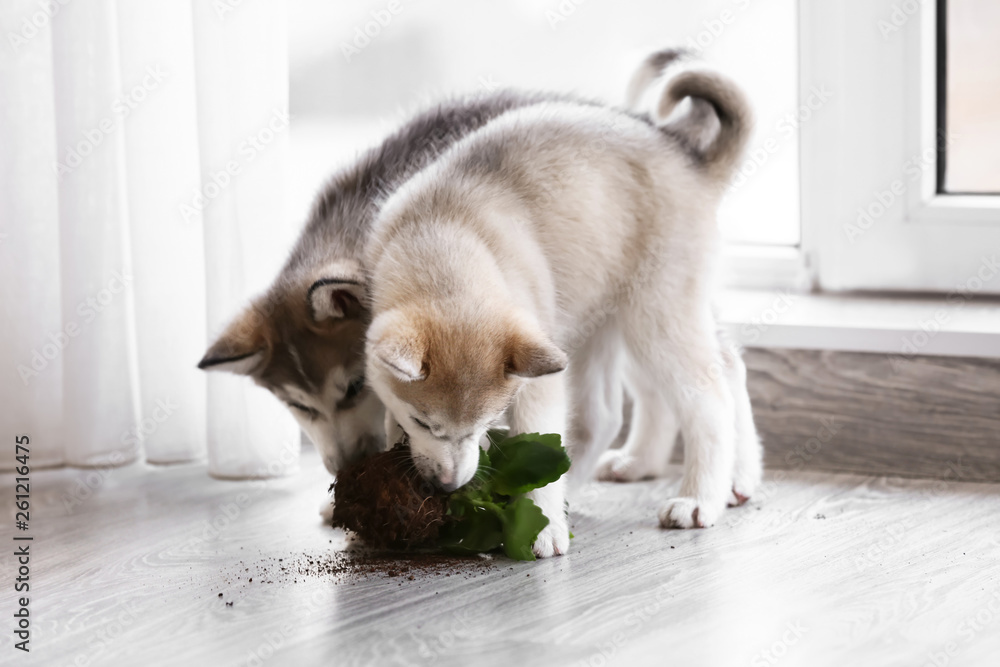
pixel 304 338
pixel 567 236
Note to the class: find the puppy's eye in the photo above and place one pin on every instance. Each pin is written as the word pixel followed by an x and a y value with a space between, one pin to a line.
pixel 351 394
pixel 310 412
pixel 421 424
pixel 354 388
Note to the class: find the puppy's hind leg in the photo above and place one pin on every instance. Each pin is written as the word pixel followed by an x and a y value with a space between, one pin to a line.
pixel 680 354
pixel 596 414
pixel 651 436
pixel 747 467
pixel 540 407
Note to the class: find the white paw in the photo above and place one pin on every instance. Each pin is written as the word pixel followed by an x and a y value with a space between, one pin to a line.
pixel 741 492
pixel 688 513
pixel 745 482
pixel 617 466
pixel 326 509
pixel 552 541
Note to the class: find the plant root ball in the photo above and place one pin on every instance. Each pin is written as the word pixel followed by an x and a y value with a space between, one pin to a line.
pixel 385 501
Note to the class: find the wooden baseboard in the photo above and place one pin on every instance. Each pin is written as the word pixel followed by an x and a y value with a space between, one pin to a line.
pixel 936 417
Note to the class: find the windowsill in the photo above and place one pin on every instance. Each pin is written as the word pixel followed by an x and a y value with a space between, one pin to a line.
pixel 895 324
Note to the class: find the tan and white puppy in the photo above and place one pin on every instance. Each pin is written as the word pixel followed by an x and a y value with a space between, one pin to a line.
pixel 553 232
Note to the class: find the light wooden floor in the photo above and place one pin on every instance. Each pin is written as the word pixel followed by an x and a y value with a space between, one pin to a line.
pixel 824 570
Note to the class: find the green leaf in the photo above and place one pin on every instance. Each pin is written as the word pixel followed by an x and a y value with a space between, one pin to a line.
pixel 478 528
pixel 527 462
pixel 497 435
pixel 522 522
pixel 484 516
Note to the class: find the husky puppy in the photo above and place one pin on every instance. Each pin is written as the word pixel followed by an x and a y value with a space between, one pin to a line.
pixel 558 236
pixel 303 339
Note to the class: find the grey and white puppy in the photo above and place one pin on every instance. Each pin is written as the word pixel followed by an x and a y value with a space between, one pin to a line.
pixel 303 339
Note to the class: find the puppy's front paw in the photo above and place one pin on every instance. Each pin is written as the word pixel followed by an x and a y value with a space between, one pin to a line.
pixel 617 466
pixel 688 513
pixel 552 541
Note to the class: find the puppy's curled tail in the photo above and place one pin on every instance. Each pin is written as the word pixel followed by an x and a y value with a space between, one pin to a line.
pixel 716 128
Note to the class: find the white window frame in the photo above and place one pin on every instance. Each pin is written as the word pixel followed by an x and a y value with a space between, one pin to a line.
pixel 881 67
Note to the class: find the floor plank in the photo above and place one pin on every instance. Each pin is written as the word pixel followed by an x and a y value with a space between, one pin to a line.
pixel 912 415
pixel 823 569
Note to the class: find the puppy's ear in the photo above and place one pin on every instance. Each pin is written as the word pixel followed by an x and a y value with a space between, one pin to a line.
pixel 398 345
pixel 530 354
pixel 243 346
pixel 337 292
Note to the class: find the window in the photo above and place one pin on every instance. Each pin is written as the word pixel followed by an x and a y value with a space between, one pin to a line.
pixel 969 95
pixel 875 216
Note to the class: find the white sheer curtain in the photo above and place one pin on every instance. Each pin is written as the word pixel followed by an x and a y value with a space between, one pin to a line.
pixel 142 150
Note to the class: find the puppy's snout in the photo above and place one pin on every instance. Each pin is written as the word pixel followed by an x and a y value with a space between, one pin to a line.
pixel 446 477
pixel 448 486
pixel 371 444
pixel 443 464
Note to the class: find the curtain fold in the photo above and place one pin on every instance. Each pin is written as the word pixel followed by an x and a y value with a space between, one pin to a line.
pixel 122 240
pixel 161 154
pixel 242 76
pixel 99 388
pixel 31 335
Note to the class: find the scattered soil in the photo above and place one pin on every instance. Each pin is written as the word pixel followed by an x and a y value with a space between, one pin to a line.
pixel 397 517
pixel 357 565
pixel 354 565
pixel 385 501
